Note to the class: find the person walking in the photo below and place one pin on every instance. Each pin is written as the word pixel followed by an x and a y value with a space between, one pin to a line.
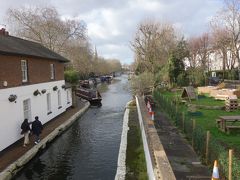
pixel 37 129
pixel 25 131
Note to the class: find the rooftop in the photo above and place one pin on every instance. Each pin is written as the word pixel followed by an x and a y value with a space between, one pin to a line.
pixel 10 45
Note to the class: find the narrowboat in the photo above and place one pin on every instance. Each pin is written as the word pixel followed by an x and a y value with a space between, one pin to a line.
pixel 91 95
pixel 107 79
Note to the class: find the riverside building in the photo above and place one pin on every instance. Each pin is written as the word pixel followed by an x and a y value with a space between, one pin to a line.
pixel 31 84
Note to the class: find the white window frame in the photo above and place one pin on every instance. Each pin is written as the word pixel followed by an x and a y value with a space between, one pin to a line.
pixel 24 69
pixel 52 71
pixel 59 99
pixel 49 108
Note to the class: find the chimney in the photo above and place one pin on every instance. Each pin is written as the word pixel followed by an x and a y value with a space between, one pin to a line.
pixel 3 32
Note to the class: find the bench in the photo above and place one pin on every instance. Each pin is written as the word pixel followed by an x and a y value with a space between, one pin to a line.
pixel 218 122
pixel 198 177
pixel 225 120
pixel 231 127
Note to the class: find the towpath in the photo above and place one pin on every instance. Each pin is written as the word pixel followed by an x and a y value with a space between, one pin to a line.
pixel 184 161
pixel 15 151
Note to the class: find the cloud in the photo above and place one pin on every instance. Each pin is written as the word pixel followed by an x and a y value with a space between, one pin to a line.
pixel 112 23
pixel 115 51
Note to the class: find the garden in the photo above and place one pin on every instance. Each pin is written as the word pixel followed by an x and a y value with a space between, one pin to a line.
pixel 197 121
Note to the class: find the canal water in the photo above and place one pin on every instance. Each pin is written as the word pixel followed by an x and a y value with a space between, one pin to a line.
pixel 89 149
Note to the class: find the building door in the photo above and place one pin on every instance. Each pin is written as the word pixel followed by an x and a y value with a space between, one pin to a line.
pixel 27 109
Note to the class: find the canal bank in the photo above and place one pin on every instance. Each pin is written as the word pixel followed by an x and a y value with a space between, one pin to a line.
pixel 158 165
pixel 89 148
pixel 15 157
pixel 135 161
pixel 131 159
pixel 121 166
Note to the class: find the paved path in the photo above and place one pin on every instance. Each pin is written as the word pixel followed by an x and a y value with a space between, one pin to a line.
pixel 183 159
pixel 14 152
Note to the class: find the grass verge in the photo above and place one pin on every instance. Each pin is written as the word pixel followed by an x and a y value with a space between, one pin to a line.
pixel 135 158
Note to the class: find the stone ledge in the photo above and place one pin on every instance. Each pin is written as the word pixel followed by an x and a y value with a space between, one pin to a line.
pixel 161 165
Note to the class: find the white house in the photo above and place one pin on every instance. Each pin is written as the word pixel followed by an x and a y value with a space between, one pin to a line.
pixel 214 61
pixel 31 84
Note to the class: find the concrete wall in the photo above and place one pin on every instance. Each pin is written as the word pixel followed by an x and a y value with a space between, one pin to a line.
pixel 121 167
pixel 149 162
pixel 12 112
pixel 158 165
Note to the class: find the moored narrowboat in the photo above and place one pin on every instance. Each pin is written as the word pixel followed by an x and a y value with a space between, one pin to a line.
pixel 91 95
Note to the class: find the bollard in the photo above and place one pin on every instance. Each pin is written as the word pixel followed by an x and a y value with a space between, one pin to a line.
pixel 150 111
pixel 153 116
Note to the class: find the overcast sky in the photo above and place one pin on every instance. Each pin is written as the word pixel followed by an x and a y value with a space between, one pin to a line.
pixel 112 23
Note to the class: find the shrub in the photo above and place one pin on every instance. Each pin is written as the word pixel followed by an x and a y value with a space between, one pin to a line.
pixel 182 80
pixel 71 76
pixel 197 77
pixel 142 83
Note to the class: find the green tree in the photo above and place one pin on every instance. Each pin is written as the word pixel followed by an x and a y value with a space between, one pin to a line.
pixel 71 76
pixel 176 63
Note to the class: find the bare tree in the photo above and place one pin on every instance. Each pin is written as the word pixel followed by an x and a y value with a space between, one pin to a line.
pixel 81 56
pixel 199 51
pixel 67 37
pixel 221 43
pixel 229 19
pixel 193 52
pixel 152 45
pixel 203 51
pixel 44 25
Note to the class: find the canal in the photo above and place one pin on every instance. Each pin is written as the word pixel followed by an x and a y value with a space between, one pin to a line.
pixel 89 149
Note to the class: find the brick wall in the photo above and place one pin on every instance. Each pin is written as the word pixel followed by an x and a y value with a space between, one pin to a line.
pixel 38 70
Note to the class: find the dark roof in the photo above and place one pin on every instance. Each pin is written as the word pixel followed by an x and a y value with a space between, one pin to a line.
pixel 10 45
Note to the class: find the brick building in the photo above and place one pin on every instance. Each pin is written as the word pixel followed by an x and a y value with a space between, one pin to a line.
pixel 31 84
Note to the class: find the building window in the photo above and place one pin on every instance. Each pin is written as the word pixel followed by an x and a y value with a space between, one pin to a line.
pixel 59 99
pixel 52 70
pixel 24 70
pixel 49 103
pixel 27 109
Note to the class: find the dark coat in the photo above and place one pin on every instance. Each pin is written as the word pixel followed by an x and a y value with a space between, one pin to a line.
pixel 37 127
pixel 25 127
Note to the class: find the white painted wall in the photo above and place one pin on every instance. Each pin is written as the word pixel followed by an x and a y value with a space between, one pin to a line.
pixel 11 113
pixel 149 163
